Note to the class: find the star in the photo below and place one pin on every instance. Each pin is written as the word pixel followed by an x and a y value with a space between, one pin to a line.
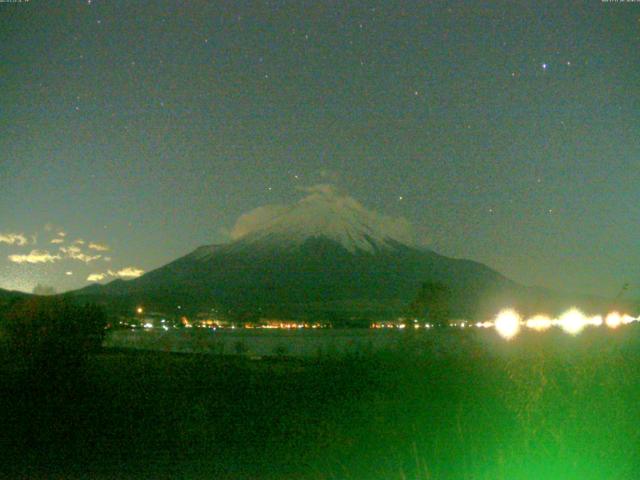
pixel 544 66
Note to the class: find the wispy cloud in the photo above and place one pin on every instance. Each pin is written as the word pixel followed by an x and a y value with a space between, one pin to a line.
pixel 13 239
pixel 75 253
pixel 100 247
pixel 257 219
pixel 35 256
pixel 66 247
pixel 127 272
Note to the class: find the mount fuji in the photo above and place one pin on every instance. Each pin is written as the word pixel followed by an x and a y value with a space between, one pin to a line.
pixel 325 257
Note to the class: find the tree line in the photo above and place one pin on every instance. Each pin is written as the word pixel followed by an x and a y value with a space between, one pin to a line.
pixel 41 334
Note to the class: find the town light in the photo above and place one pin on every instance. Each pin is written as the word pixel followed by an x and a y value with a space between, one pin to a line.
pixel 627 319
pixel 572 321
pixel 613 320
pixel 508 323
pixel 539 323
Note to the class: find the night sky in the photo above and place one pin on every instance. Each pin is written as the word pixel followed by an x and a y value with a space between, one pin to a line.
pixel 508 133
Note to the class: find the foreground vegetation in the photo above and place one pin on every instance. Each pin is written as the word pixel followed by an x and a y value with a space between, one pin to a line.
pixel 544 406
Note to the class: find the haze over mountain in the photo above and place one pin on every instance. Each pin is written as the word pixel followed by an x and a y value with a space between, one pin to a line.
pixel 326 256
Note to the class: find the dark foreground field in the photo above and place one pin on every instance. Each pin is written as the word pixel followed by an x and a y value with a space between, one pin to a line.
pixel 545 406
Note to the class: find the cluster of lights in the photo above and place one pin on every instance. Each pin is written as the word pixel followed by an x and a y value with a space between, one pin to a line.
pixel 285 325
pixel 508 323
pixel 213 324
pixel 399 326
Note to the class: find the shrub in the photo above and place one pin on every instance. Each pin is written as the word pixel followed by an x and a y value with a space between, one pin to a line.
pixel 44 333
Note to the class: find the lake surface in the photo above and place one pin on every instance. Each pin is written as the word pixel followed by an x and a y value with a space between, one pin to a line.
pixel 312 343
pixel 264 342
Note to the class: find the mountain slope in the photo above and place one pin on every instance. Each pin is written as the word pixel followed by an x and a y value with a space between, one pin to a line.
pixel 325 256
pixel 317 277
pixel 9 296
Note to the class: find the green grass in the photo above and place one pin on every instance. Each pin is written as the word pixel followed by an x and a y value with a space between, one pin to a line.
pixel 542 407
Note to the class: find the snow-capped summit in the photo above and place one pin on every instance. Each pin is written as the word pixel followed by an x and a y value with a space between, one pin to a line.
pixel 323 213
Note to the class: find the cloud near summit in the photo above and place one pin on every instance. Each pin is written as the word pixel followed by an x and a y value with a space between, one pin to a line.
pixel 393 227
pixel 257 219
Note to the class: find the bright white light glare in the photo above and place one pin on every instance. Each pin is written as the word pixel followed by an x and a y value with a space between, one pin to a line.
pixel 508 323
pixel 595 321
pixel 572 321
pixel 539 323
pixel 613 320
